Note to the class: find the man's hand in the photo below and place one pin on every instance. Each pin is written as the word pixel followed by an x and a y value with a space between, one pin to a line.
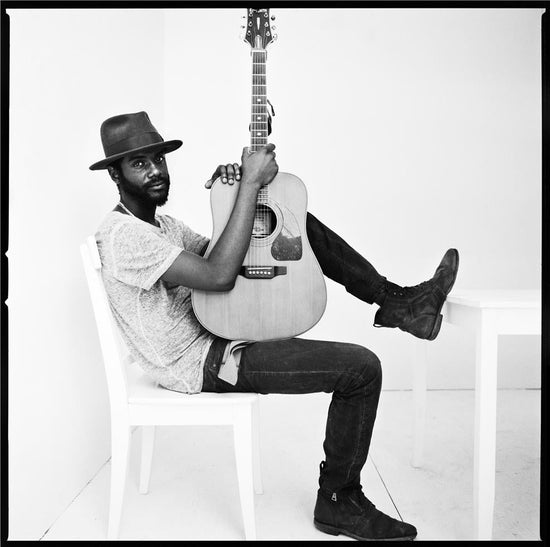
pixel 229 174
pixel 262 167
pixel 259 168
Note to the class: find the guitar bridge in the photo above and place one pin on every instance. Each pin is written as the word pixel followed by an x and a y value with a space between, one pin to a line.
pixel 262 272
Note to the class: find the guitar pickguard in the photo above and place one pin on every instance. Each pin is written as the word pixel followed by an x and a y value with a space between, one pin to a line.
pixel 288 244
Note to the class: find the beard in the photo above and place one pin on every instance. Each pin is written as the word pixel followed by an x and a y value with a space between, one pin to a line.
pixel 145 195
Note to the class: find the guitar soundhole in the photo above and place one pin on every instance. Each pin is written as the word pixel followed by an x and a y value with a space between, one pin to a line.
pixel 265 221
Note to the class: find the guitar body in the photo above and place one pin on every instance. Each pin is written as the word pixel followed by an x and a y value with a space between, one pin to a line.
pixel 281 291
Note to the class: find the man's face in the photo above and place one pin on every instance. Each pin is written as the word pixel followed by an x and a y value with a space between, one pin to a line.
pixel 144 176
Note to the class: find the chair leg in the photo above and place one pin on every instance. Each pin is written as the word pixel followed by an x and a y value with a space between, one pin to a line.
pixel 147 446
pixel 120 449
pixel 256 461
pixel 242 430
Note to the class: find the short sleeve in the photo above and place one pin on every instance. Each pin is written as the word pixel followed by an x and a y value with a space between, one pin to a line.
pixel 192 241
pixel 139 255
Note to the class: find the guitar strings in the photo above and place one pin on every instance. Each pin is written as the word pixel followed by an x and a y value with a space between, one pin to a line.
pixel 254 140
pixel 259 136
pixel 257 130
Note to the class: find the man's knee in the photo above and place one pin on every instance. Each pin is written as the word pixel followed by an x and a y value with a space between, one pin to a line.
pixel 369 365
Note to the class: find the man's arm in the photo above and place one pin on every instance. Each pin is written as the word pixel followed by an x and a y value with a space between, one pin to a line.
pixel 219 270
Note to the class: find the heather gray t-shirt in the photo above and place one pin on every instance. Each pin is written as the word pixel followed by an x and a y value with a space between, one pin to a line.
pixel 156 318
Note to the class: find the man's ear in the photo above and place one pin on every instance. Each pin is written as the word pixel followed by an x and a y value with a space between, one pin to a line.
pixel 113 172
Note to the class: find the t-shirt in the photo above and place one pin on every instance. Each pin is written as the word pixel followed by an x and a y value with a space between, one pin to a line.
pixel 156 318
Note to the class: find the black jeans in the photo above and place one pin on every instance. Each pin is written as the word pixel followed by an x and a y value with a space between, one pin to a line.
pixel 350 372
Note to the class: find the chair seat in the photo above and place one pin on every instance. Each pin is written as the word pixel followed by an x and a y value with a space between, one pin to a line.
pixel 142 389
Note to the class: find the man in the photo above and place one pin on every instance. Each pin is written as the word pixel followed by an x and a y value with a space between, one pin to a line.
pixel 151 262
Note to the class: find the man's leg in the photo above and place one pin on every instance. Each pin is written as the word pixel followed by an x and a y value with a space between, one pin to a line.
pixel 343 264
pixel 416 309
pixel 353 375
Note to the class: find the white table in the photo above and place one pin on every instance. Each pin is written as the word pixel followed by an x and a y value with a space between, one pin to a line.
pixel 488 313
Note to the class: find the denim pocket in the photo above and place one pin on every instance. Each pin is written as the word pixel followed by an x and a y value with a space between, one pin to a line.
pixel 215 354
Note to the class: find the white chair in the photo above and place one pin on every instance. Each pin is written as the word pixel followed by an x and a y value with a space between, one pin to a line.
pixel 139 401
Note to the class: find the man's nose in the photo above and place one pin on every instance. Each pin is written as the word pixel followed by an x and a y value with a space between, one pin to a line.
pixel 153 170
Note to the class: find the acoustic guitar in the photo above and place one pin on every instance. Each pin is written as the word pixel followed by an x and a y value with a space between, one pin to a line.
pixel 280 291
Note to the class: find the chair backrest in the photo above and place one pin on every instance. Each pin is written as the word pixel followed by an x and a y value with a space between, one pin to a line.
pixel 115 354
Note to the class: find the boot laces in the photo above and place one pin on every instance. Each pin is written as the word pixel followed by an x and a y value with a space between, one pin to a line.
pixel 414 290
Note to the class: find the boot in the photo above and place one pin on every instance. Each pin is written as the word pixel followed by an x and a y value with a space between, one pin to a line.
pixel 417 310
pixel 353 515
pixel 347 511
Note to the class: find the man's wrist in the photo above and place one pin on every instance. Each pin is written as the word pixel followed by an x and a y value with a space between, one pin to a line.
pixel 250 184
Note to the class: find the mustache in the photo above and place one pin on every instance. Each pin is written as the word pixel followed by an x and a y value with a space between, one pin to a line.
pixel 158 180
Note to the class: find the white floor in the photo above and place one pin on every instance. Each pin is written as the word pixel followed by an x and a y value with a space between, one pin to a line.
pixel 193 492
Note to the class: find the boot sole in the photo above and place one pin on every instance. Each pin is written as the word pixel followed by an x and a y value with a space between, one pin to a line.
pixel 333 531
pixel 437 325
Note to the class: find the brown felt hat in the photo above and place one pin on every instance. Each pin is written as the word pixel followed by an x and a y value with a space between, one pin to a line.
pixel 130 133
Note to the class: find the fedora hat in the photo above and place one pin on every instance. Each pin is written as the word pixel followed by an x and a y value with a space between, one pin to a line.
pixel 130 133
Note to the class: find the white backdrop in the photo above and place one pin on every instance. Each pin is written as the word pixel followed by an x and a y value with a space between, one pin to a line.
pixel 414 131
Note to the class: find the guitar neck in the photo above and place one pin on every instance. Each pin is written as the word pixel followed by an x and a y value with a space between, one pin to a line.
pixel 259 118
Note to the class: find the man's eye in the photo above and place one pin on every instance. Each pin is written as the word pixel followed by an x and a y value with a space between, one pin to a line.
pixel 137 164
pixel 160 159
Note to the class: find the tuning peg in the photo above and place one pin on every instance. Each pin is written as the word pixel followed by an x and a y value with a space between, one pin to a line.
pixel 273 27
pixel 273 17
pixel 275 37
pixel 243 26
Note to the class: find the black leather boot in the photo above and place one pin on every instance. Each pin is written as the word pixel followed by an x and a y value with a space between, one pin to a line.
pixel 417 310
pixel 352 514
pixel 347 511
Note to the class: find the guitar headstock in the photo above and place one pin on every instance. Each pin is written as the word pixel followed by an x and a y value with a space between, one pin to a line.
pixel 258 31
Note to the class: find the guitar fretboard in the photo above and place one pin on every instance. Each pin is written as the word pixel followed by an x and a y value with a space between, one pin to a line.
pixel 258 125
pixel 258 120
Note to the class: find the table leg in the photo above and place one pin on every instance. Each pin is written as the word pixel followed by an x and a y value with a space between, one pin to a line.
pixel 485 424
pixel 419 396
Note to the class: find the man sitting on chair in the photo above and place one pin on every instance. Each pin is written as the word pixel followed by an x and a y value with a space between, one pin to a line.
pixel 152 261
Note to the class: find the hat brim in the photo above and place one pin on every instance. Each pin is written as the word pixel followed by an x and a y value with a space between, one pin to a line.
pixel 165 146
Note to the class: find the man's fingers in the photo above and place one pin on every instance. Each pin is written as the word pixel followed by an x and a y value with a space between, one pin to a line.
pixel 268 148
pixel 230 173
pixel 215 175
pixel 223 173
pixel 237 169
